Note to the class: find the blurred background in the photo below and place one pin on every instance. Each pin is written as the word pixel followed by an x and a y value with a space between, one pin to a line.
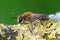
pixel 12 8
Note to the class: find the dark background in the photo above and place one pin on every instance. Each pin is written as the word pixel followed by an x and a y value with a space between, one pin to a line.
pixel 11 8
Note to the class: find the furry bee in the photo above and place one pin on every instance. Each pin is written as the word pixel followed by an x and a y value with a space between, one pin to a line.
pixel 29 16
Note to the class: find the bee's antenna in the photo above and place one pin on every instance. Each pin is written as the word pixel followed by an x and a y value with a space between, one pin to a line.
pixel 13 17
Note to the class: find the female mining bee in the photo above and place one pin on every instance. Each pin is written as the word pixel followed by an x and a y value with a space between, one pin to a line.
pixel 29 16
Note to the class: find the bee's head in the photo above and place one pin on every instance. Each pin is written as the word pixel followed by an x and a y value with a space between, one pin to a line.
pixel 20 19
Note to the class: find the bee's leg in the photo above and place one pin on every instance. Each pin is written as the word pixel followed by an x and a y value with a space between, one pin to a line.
pixel 31 21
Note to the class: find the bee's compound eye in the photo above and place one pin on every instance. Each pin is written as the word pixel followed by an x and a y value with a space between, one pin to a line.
pixel 20 19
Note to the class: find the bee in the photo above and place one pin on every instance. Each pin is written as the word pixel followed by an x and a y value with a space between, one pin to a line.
pixel 29 16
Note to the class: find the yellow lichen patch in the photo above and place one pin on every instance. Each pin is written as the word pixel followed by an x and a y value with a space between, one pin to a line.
pixel 0 30
pixel 51 36
pixel 38 37
pixel 15 29
pixel 58 24
pixel 2 25
pixel 22 31
pixel 26 27
pixel 58 32
pixel 53 26
pixel 54 36
pixel 16 37
pixel 44 39
pixel 9 38
pixel 21 37
pixel 40 31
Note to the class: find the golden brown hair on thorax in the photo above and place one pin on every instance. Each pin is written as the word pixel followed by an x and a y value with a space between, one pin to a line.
pixel 26 15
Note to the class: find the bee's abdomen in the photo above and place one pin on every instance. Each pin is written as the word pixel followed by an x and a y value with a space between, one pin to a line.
pixel 43 17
